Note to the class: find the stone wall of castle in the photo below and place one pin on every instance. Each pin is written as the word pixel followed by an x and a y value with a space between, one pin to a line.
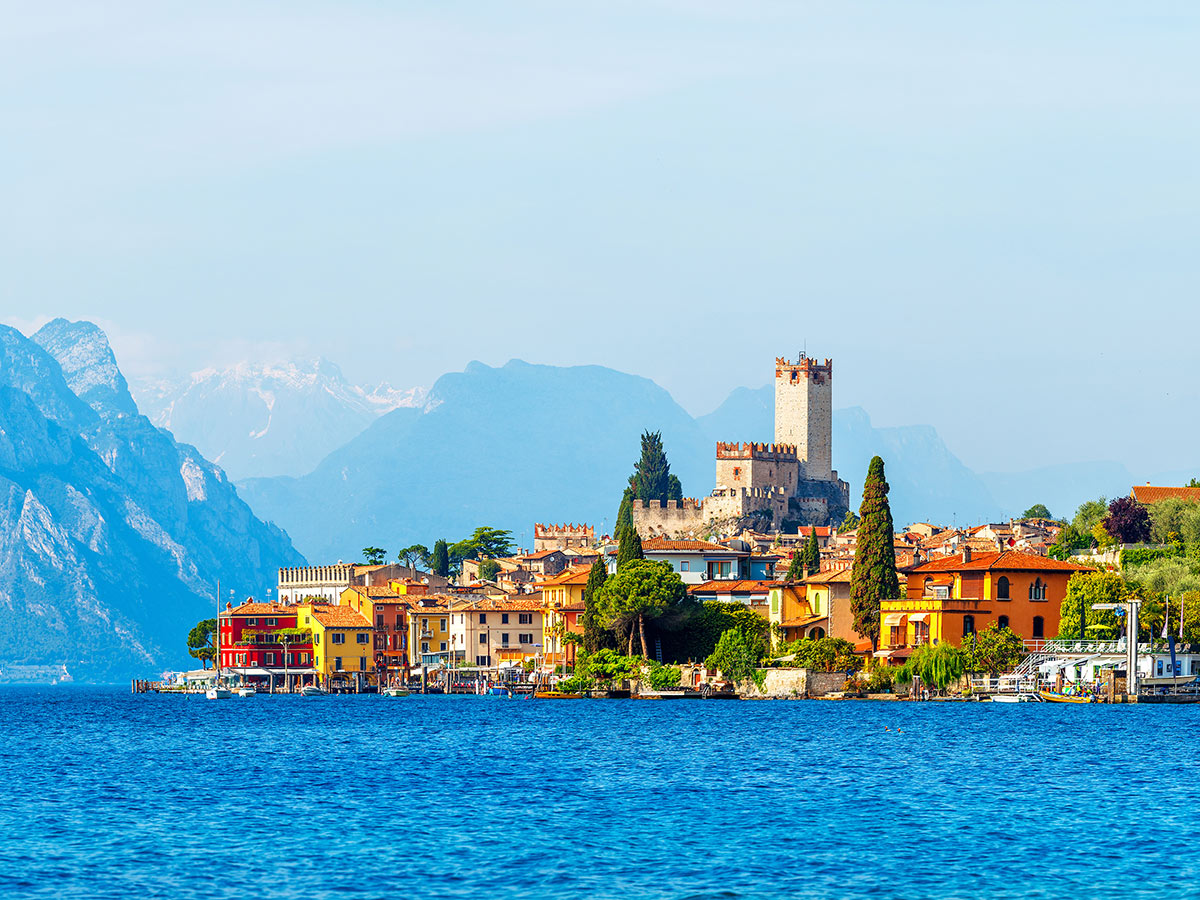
pixel 758 466
pixel 804 413
pixel 562 537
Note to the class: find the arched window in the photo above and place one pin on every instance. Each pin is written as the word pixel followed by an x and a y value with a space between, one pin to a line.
pixel 1037 590
pixel 1002 588
pixel 1039 627
pixel 1002 622
pixel 928 586
pixel 817 633
pixel 968 625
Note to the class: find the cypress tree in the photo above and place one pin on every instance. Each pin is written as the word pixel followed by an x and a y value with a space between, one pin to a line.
pixel 812 554
pixel 441 559
pixel 652 475
pixel 873 577
pixel 624 514
pixel 595 636
pixel 795 570
pixel 674 488
pixel 630 548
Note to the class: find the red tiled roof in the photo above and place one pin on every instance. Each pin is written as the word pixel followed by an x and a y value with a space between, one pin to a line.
pixel 801 621
pixel 1145 493
pixel 1010 560
pixel 250 608
pixel 658 545
pixel 735 586
pixel 576 575
pixel 339 617
pixel 542 555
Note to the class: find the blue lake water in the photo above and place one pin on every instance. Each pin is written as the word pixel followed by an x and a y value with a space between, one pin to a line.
pixel 112 795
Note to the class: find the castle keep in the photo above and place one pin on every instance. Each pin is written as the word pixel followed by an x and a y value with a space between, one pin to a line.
pixel 777 486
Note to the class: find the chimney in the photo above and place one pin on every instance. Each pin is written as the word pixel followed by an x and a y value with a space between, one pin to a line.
pixel 966 554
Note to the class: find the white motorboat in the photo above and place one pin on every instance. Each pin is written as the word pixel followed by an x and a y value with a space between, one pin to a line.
pixel 395 692
pixel 1014 698
pixel 218 693
pixel 246 692
pixel 311 690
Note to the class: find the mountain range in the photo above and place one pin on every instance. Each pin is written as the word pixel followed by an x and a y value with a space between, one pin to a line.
pixel 113 534
pixel 260 419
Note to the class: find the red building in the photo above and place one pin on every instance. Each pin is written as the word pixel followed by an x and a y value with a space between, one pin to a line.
pixel 260 643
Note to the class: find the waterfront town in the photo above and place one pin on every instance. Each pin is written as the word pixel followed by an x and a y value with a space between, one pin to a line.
pixel 769 586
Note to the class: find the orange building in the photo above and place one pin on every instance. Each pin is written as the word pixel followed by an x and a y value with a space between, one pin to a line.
pixel 952 597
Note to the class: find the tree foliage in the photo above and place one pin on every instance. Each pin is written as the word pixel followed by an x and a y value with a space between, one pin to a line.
pixel 674 488
pixel 663 678
pixel 995 649
pixel 873 577
pixel 595 635
pixel 488 570
pixel 1089 514
pixel 374 556
pixel 202 641
pixel 812 554
pixel 440 562
pixel 1127 521
pixel 630 548
pixel 733 656
pixel 824 654
pixel 796 567
pixel 606 667
pixel 1069 540
pixel 1087 589
pixel 850 522
pixel 640 591
pixel 414 555
pixel 1037 511
pixel 624 514
pixel 484 543
pixel 651 478
pixel 1175 520
pixel 699 627
pixel 938 666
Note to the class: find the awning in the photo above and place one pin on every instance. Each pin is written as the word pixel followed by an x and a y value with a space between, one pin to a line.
pixel 893 618
pixel 919 617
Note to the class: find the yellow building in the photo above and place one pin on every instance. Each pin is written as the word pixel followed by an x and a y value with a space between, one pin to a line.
pixel 429 628
pixel 342 643
pixel 562 614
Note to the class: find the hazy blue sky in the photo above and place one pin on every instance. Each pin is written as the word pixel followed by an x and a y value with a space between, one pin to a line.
pixel 987 212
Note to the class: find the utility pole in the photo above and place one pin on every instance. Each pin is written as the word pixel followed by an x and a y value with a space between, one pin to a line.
pixel 1130 607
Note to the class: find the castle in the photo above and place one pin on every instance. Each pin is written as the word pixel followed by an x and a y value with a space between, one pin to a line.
pixel 776 486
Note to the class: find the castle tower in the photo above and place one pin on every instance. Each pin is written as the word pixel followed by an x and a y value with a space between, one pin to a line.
pixel 804 413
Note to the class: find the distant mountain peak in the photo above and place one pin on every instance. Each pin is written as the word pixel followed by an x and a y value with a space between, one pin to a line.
pixel 89 365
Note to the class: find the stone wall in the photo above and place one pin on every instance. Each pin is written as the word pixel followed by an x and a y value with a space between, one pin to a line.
pixel 804 412
pixel 795 683
pixel 758 466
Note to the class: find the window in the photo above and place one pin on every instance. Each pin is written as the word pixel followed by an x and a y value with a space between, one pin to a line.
pixel 1037 590
pixel 483 661
pixel 443 646
pixel 399 620
pixel 337 638
pixel 442 625
pixel 1195 668
pixel 424 646
pixel 525 618
pixel 941 592
pixel 306 659
pixel 483 639
pixel 316 639
pixel 524 638
pixel 1002 622
pixel 251 622
pixel 1160 667
pixel 685 566
pixel 363 637
pixel 272 622
pixel 1002 587
pixel 504 639
pixel 503 618
pixel 379 621
pixel 483 618
pixel 241 659
pixel 1039 627
pixel 270 659
pixel 337 663
pixel 968 625
pixel 289 659
pixel 928 586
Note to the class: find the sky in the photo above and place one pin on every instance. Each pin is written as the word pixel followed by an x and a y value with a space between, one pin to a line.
pixel 986 213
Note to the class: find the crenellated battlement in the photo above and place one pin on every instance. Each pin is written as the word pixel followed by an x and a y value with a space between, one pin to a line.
pixel 562 537
pixel 687 503
pixel 774 452
pixel 540 530
pixel 804 367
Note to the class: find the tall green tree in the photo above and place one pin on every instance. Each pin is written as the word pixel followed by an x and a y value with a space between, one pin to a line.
pixel 995 649
pixel 417 554
pixel 640 591
pixel 651 478
pixel 797 566
pixel 624 513
pixel 202 641
pixel 849 523
pixel 674 488
pixel 1037 511
pixel 595 635
pixel 488 570
pixel 374 555
pixel 733 656
pixel 812 554
pixel 873 577
pixel 1086 589
pixel 630 548
pixel 1089 514
pixel 440 561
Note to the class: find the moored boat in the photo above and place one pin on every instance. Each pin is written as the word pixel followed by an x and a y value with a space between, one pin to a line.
pixel 556 695
pixel 218 693
pixel 311 690
pixel 395 692
pixel 246 692
pixel 1051 697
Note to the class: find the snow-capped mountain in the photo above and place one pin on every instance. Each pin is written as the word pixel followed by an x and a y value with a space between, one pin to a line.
pixel 112 534
pixel 258 420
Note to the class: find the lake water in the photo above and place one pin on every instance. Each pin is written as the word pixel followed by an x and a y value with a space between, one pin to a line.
pixel 112 795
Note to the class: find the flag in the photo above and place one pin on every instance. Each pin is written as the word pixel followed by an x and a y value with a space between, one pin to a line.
pixel 1174 671
pixel 1166 614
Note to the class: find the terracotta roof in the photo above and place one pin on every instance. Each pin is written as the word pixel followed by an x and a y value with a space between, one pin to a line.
pixel 339 617
pixel 737 586
pixel 1010 560
pixel 822 530
pixel 542 555
pixel 250 608
pixel 572 576
pixel 514 603
pixel 377 593
pixel 835 576
pixel 801 621
pixel 659 545
pixel 1144 493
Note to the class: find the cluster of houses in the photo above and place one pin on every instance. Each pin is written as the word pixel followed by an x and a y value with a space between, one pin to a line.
pixel 351 626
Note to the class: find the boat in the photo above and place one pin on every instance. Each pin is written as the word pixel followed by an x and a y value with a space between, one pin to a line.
pixel 395 692
pixel 663 695
pixel 311 690
pixel 1014 698
pixel 246 692
pixel 1051 697
pixel 218 693
pixel 556 695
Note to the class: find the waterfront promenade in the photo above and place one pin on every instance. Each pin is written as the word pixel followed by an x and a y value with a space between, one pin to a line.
pixel 118 795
